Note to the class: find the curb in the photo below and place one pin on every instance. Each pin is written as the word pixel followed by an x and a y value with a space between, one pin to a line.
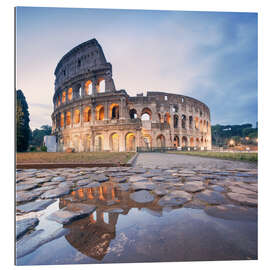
pixel 131 162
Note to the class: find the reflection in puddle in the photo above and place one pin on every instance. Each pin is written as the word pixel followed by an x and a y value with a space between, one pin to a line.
pixel 122 230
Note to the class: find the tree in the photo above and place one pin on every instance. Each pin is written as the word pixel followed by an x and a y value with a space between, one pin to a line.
pixel 22 122
pixel 38 135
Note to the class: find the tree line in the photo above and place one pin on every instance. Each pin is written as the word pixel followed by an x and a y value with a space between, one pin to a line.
pixel 26 139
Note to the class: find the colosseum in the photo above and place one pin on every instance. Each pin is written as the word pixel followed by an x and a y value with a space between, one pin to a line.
pixel 91 115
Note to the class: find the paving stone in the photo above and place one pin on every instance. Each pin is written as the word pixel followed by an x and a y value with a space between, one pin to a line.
pixel 242 199
pixel 142 196
pixel 119 179
pixel 115 210
pixel 211 197
pixel 55 193
pixel 35 206
pixel 24 225
pixel 58 179
pixel 124 186
pixel 25 196
pixel 137 178
pixel 240 190
pixel 36 239
pixel 84 182
pixel 101 178
pixel 193 186
pixel 217 188
pixel 143 185
pixel 25 186
pixel 175 198
pixel 92 185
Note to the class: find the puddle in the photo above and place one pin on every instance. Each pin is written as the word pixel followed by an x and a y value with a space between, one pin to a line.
pixel 122 230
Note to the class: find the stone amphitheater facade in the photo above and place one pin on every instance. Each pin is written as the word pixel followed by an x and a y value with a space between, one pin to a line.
pixel 91 115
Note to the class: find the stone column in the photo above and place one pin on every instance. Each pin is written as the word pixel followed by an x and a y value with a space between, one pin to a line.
pixel 106 114
pixel 83 89
pixel 81 115
pixel 94 86
pixel 121 109
pixel 65 119
pixel 72 115
pixel 93 114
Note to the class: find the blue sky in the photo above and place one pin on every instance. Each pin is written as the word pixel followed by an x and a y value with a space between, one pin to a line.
pixel 211 56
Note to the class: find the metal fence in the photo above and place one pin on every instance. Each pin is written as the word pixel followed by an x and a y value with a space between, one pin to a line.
pixel 165 149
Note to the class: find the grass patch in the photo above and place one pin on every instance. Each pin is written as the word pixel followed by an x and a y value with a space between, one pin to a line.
pixel 83 158
pixel 252 157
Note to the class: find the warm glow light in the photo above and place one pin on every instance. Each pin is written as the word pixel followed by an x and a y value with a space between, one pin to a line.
pixel 231 142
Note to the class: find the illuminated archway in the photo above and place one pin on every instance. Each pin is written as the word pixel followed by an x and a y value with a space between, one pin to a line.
pixel 191 142
pixel 114 111
pixel 147 140
pixel 62 120
pixel 100 112
pixel 68 118
pixel 197 142
pixel 114 142
pixel 64 97
pixel 70 93
pixel 196 122
pixel 175 121
pixel 87 88
pixel 201 125
pixel 167 118
pixel 161 141
pixel 77 117
pixel 87 114
pixel 130 142
pixel 133 114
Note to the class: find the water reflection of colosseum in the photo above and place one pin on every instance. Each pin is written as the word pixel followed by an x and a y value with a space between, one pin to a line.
pixel 91 115
pixel 92 235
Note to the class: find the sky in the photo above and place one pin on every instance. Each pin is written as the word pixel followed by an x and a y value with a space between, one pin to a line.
pixel 210 56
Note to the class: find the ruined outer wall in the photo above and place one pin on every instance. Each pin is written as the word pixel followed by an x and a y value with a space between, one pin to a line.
pixel 89 118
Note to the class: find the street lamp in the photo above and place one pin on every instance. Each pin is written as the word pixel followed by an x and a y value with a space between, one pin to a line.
pixel 231 142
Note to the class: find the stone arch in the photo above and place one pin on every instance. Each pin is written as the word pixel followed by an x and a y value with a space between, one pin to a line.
pixel 197 142
pixel 100 85
pixel 130 141
pixel 191 142
pixel 175 121
pixel 87 114
pixel 160 118
pixel 133 114
pixel 87 87
pixel 184 121
pixel 201 125
pixel 114 142
pixel 58 100
pixel 70 93
pixel 77 116
pixel 190 121
pixel 114 111
pixel 147 140
pixel 204 126
pixel 87 143
pixel 176 141
pixel 184 141
pixel 63 96
pixel 161 141
pixel 76 142
pixel 62 120
pixel 68 118
pixel 196 122
pixel 100 112
pixel 201 142
pixel 146 114
pixel 167 118
pixel 99 143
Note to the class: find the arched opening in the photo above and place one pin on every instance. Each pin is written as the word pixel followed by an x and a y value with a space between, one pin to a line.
pixel 133 114
pixel 160 118
pixel 87 143
pixel 114 142
pixel 192 142
pixel 68 118
pixel 184 141
pixel 77 117
pixel 87 114
pixel 101 85
pixel 204 126
pixel 167 118
pixel 190 122
pixel 201 125
pixel 100 112
pixel 196 122
pixel 175 108
pixel 176 141
pixel 114 111
pixel 58 102
pixel 146 114
pixel 175 121
pixel 99 143
pixel 161 141
pixel 87 87
pixel 130 142
pixel 64 97
pixel 147 140
pixel 62 120
pixel 70 93
pixel 197 142
pixel 201 141
pixel 183 121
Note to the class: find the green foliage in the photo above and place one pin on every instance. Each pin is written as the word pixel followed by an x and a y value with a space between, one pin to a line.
pixel 222 134
pixel 38 135
pixel 43 148
pixel 22 123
